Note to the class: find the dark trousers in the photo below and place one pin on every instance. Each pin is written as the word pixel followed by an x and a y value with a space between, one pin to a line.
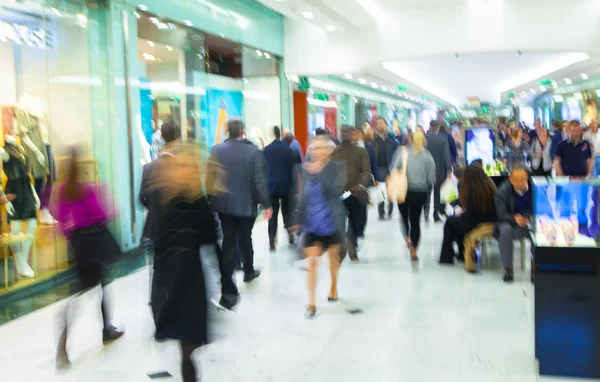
pixel 354 210
pixel 285 211
pixel 236 230
pixel 455 229
pixel 411 211
pixel 438 208
pixel 381 209
pixel 362 221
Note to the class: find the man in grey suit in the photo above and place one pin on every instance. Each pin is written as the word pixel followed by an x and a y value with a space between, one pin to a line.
pixel 244 176
pixel 440 150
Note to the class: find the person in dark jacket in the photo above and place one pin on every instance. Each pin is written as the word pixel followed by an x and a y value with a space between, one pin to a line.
pixel 239 167
pixel 385 146
pixel 514 208
pixel 477 194
pixel 439 149
pixel 185 223
pixel 358 177
pixel 280 162
pixel 445 131
pixel 367 139
pixel 558 135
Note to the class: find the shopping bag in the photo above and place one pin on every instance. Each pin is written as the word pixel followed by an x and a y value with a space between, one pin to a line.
pixel 397 182
pixel 378 194
pixel 449 191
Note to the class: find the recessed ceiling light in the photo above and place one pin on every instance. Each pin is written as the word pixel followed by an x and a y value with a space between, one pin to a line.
pixel 259 53
pixel 188 23
pixel 362 81
pixel 542 88
pixel 154 20
pixel 169 48
pixel 374 84
pixel 150 43
pixel 384 88
pixel 56 11
pixel 143 7
pixel 137 15
pixel 148 57
pixel 267 56
pixel 584 76
pixel 330 28
pixel 81 17
pixel 308 15
pixel 348 76
pixel 568 81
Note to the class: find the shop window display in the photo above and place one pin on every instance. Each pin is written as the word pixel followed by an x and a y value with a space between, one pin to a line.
pixel 45 105
pixel 199 81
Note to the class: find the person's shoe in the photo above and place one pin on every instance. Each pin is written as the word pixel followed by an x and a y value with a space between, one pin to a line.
pixel 110 335
pixel 249 277
pixel 509 276
pixel 332 299
pixel 352 253
pixel 382 218
pixel 228 301
pixel 310 311
pixel 389 217
pixel 272 247
pixel 436 218
pixel 291 239
pixel 413 254
pixel 446 262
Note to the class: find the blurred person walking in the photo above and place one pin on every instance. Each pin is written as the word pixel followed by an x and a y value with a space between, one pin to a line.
pixel 438 147
pixel 445 132
pixel 295 145
pixel 244 176
pixel 358 178
pixel 385 146
pixel 82 215
pixel 558 135
pixel 541 162
pixel 517 147
pixel 319 132
pixel 184 224
pixel 320 215
pixel 420 174
pixel 280 163
pixel 477 193
pixel 593 137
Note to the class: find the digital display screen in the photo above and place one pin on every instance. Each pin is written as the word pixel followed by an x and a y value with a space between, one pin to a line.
pixel 479 144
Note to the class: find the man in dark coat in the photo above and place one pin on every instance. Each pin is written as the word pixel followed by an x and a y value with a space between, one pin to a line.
pixel 280 161
pixel 242 171
pixel 385 146
pixel 437 145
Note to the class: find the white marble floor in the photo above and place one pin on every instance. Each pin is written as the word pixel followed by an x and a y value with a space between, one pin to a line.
pixel 419 322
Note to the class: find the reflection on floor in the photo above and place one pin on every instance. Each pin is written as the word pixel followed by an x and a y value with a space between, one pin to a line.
pixel 419 322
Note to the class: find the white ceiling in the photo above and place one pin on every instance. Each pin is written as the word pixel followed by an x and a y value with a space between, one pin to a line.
pixel 484 32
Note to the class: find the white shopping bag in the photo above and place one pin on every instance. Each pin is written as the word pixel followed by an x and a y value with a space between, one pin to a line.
pixel 449 191
pixel 378 194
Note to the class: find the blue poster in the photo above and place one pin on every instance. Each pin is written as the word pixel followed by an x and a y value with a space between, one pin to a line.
pixel 146 103
pixel 217 107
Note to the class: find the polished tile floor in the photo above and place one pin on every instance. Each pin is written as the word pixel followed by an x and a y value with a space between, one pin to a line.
pixel 420 322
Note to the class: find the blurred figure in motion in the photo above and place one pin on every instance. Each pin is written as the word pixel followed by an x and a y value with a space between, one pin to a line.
pixel 82 216
pixel 319 132
pixel 358 177
pixel 320 214
pixel 420 174
pixel 244 176
pixel 437 145
pixel 280 162
pixel 294 144
pixel 384 146
pixel 184 224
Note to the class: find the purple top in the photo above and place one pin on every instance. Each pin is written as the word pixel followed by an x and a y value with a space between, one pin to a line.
pixel 80 213
pixel 319 220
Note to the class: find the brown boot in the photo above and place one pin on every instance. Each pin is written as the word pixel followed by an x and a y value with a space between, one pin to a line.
pixel 470 264
pixel 413 253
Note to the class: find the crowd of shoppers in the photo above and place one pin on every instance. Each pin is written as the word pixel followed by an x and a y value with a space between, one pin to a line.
pixel 323 197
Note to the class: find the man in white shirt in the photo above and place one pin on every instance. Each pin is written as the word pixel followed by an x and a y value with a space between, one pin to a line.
pixel 592 136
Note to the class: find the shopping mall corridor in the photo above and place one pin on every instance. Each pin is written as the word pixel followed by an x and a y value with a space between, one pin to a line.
pixel 421 322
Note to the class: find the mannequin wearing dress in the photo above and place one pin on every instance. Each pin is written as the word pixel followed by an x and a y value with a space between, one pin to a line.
pixel 24 207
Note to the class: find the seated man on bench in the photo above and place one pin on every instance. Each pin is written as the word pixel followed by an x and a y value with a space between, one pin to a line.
pixel 514 207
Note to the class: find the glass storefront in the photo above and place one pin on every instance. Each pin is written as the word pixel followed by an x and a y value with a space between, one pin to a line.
pixel 199 81
pixel 106 77
pixel 47 105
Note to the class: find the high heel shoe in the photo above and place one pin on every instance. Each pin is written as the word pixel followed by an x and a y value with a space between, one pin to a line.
pixel 311 311
pixel 332 299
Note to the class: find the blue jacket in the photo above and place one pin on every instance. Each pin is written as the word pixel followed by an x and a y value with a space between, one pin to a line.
pixel 451 145
pixel 280 161
pixel 240 167
pixel 374 170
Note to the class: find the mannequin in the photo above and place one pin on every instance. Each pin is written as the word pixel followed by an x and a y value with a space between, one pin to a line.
pixel 24 207
pixel 31 124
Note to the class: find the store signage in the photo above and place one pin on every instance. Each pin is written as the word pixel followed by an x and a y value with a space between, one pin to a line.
pixel 19 34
